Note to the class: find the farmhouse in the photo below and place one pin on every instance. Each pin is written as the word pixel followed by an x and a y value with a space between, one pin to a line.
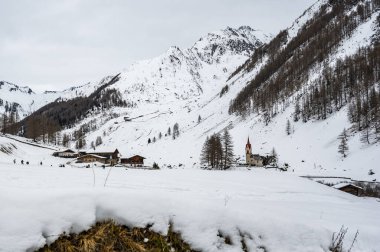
pixel 105 156
pixel 90 158
pixel 112 157
pixel 349 188
pixel 135 160
pixel 66 154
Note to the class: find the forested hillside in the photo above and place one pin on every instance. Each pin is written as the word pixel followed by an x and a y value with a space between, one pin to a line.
pixel 55 116
pixel 290 68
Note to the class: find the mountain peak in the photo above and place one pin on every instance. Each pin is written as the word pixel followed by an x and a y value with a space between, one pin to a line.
pixel 174 50
pixel 241 41
pixel 13 87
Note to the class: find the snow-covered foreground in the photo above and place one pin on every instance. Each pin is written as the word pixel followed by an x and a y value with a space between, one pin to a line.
pixel 272 210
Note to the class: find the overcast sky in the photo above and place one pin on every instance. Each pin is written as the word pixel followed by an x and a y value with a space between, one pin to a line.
pixel 55 44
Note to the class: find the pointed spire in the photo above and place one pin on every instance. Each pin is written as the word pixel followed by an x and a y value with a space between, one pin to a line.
pixel 248 145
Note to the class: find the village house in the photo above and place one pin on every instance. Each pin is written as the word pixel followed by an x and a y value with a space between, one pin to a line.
pixel 349 188
pixel 112 157
pixel 136 161
pixel 104 156
pixel 66 154
pixel 91 158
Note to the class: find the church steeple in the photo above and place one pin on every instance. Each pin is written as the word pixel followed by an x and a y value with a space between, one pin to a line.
pixel 248 152
pixel 248 145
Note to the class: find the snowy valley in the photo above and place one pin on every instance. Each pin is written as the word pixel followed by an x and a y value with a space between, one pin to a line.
pixel 236 79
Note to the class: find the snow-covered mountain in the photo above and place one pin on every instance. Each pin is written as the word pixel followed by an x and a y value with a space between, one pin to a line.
pixel 182 85
pixel 201 88
pixel 25 101
pixel 186 74
pixel 176 74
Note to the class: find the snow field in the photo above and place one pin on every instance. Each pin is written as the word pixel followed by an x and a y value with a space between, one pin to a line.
pixel 278 211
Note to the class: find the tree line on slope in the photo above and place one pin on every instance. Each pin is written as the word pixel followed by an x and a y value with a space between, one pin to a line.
pixel 286 69
pixel 174 135
pixel 46 122
pixel 352 81
pixel 9 117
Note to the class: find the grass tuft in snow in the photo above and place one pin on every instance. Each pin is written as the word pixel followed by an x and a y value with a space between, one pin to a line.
pixel 225 237
pixel 337 240
pixel 108 236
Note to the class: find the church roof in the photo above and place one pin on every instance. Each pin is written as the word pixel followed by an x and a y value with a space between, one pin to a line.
pixel 257 157
pixel 248 145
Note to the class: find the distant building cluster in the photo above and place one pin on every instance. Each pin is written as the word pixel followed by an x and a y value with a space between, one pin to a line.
pixel 101 156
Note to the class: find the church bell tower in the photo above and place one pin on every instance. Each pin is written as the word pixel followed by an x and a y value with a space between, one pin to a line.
pixel 248 152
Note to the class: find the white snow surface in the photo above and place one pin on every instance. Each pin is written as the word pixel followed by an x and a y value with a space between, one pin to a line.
pixel 277 211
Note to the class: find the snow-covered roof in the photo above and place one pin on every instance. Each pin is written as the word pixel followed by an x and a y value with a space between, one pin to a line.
pixel 341 185
pixel 134 157
pixel 92 155
pixel 67 150
pixel 102 149
pixel 256 156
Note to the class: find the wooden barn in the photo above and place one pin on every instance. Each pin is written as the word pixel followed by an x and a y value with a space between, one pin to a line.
pixel 91 158
pixel 349 188
pixel 136 161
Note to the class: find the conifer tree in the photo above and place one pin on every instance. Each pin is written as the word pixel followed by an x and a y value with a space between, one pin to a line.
pixel 212 152
pixel 98 141
pixel 288 128
pixel 65 140
pixel 274 155
pixel 5 122
pixel 175 130
pixel 205 153
pixel 217 151
pixel 80 143
pixel 227 149
pixel 297 112
pixel 343 146
pixel 365 135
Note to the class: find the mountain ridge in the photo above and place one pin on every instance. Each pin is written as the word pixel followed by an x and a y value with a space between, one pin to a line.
pixel 172 59
pixel 179 86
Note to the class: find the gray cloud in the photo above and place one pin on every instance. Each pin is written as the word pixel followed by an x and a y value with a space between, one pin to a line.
pixel 52 44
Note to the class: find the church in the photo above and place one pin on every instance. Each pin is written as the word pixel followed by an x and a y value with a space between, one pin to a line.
pixel 252 159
